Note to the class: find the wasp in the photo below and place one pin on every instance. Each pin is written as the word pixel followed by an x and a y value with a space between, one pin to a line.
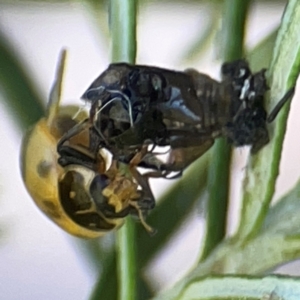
pixel 85 200
pixel 134 107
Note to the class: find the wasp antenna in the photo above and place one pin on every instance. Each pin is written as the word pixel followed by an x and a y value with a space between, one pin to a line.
pixel 288 95
pixel 56 90
pixel 148 228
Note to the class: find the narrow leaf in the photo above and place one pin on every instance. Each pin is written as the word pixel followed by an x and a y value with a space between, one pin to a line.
pixel 260 56
pixel 21 96
pixel 283 217
pixel 246 288
pixel 263 168
pixel 257 256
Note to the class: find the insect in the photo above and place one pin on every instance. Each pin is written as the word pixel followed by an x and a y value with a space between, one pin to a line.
pixel 134 106
pixel 86 201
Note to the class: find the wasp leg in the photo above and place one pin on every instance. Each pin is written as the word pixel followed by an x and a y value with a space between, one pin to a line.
pixel 70 156
pixel 82 135
pixel 74 131
pixel 79 155
pixel 146 159
pixel 80 146
pixel 150 161
pixel 148 201
pixel 138 157
pixel 181 158
pixel 186 147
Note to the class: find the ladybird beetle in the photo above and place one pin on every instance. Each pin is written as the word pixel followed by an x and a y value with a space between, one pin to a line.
pixel 85 201
pixel 134 106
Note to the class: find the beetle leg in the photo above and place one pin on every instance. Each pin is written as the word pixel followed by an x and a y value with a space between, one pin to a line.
pixel 288 95
pixel 262 136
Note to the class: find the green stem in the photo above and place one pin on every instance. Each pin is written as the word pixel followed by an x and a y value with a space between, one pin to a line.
pixel 123 33
pixel 123 30
pixel 235 12
pixel 126 261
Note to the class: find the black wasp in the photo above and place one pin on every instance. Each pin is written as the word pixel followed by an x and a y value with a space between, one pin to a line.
pixel 135 108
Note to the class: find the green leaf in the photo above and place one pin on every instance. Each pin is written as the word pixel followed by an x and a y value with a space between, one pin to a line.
pixel 242 288
pixel 203 41
pixel 260 57
pixel 21 96
pixel 106 285
pixel 283 217
pixel 257 256
pixel 263 168
pixel 277 244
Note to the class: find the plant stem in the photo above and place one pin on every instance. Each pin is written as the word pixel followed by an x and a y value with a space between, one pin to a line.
pixel 123 30
pixel 235 12
pixel 123 33
pixel 126 261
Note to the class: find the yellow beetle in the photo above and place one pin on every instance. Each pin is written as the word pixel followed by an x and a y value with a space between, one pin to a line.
pixel 84 202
